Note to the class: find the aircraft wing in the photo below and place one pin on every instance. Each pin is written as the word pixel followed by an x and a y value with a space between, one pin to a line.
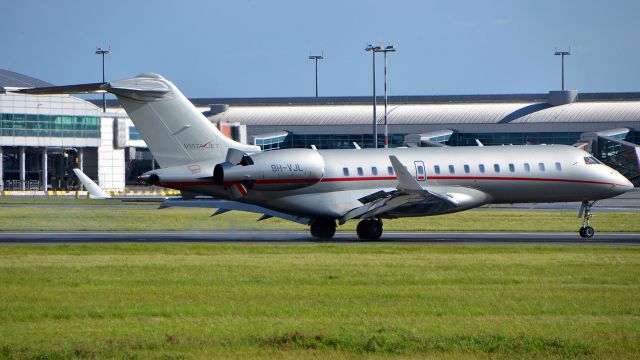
pixel 226 205
pixel 409 191
pixel 96 192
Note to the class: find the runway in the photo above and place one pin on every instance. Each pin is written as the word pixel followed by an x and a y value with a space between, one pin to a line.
pixel 342 237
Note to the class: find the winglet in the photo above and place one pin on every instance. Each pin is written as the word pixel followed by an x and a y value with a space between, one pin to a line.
pixel 479 143
pixel 95 191
pixel 406 182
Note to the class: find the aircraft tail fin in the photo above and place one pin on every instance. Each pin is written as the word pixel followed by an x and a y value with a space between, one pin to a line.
pixel 173 129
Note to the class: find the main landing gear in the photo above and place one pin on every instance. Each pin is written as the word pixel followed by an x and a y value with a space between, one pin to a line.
pixel 323 228
pixel 586 231
pixel 369 229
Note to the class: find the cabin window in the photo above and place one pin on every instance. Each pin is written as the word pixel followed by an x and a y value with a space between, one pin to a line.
pixel 541 166
pixel 558 166
pixel 374 170
pixel 590 160
pixel 452 169
pixel 512 168
pixel 390 170
pixel 467 169
pixel 420 170
pixel 436 169
pixel 360 171
pixel 496 168
pixel 527 167
pixel 481 167
pixel 345 171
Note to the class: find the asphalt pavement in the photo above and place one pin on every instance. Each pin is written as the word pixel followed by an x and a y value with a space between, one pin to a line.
pixel 342 237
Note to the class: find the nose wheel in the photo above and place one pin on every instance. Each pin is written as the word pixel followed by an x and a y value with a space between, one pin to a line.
pixel 369 229
pixel 586 231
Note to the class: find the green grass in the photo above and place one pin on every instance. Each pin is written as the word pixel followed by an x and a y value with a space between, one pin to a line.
pixel 59 200
pixel 195 301
pixel 145 218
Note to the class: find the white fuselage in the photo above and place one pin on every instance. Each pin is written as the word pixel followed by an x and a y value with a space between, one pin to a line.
pixel 345 184
pixel 473 175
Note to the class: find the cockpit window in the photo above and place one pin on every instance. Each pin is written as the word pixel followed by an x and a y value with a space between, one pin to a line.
pixel 590 160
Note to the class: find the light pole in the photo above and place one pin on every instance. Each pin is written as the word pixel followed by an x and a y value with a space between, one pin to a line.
pixel 316 58
pixel 373 50
pixel 562 54
pixel 385 50
pixel 100 51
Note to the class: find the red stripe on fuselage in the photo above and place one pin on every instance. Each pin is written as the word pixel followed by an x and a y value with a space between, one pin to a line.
pixel 506 178
pixel 388 178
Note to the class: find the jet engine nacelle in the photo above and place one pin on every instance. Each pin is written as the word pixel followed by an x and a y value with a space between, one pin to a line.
pixel 278 170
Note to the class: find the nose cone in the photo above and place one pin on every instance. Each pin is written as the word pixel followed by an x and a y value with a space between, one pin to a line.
pixel 621 183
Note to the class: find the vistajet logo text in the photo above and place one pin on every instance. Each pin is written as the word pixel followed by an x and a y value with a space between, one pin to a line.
pixel 204 146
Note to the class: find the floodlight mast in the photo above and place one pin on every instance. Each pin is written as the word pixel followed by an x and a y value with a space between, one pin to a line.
pixel 316 58
pixel 100 51
pixel 385 50
pixel 375 124
pixel 562 54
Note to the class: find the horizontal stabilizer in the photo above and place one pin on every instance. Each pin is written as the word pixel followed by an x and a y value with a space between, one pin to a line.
pixel 66 89
pixel 122 87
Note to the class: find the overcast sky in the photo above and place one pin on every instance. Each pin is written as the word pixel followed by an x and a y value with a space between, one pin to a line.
pixel 243 48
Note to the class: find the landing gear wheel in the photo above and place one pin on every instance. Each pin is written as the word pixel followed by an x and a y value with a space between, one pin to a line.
pixel 587 232
pixel 323 229
pixel 369 229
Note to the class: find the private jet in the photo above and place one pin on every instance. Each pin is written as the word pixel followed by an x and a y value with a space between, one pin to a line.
pixel 326 188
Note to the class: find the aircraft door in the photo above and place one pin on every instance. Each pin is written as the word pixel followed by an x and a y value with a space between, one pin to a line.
pixel 420 171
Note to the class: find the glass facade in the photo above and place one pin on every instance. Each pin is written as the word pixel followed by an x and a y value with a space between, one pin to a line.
pixel 633 137
pixel 515 138
pixel 345 141
pixel 49 125
pixel 441 138
pixel 272 142
pixel 337 141
pixel 134 134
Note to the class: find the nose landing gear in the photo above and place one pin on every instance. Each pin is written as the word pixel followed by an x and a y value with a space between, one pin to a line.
pixel 369 229
pixel 586 231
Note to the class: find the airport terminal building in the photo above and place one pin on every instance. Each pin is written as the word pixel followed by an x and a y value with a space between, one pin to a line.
pixel 42 138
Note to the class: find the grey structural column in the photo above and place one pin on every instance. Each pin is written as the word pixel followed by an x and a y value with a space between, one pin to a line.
pixel 1 169
pixel 81 159
pixel 23 172
pixel 45 170
pixel 81 165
